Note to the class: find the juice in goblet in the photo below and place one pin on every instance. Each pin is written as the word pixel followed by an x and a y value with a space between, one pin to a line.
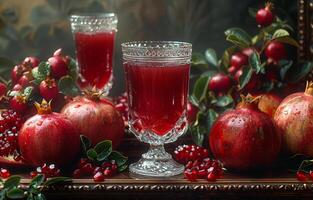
pixel 94 37
pixel 157 79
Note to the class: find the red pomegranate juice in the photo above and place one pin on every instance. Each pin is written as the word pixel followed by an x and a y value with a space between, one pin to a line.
pixel 157 94
pixel 94 53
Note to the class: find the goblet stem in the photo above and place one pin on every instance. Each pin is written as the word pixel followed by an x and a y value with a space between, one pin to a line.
pixel 156 162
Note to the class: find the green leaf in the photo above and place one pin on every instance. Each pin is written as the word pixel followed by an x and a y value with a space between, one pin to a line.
pixel 103 149
pixel 280 33
pixel 11 182
pixel 255 62
pixel 211 57
pixel 197 134
pixel 284 67
pixel 57 180
pixel 68 86
pixel 297 73
pixel 86 144
pixel 200 88
pixel 15 193
pixel 39 196
pixel 2 194
pixel 288 40
pixel 73 69
pixel 44 69
pixel 198 61
pixel 122 168
pixel 211 117
pixel 28 91
pixel 38 180
pixel 238 37
pixel 92 154
pixel 225 60
pixel 118 157
pixel 224 101
pixel 245 77
pixel 252 12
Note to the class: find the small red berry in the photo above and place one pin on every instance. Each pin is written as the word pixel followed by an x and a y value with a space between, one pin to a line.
pixel 232 70
pixel 301 176
pixel 48 89
pixel 238 60
pixel 275 51
pixel 264 16
pixel 191 112
pixel 98 177
pixel 97 169
pixel 58 67
pixel 33 61
pixel 220 83
pixel 17 87
pixel 33 174
pixel 4 173
pixel 3 89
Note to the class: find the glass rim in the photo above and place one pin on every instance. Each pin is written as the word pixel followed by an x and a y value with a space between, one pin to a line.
pixel 93 15
pixel 157 51
pixel 155 44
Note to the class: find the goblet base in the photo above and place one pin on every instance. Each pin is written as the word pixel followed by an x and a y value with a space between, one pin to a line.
pixel 156 163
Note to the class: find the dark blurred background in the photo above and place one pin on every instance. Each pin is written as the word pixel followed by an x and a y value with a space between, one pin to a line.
pixel 38 27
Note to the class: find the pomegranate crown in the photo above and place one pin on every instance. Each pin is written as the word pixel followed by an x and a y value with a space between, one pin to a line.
pixel 93 94
pixel 44 107
pixel 269 6
pixel 309 88
pixel 248 102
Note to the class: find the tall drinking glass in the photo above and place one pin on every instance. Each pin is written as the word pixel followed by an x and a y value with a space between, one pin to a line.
pixel 157 79
pixel 94 37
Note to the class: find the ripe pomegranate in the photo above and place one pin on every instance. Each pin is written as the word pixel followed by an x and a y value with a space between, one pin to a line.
pixel 33 61
pixel 245 138
pixel 293 118
pixel 275 51
pixel 268 103
pixel 220 83
pixel 59 67
pixel 48 137
pixel 17 72
pixel 95 118
pixel 48 89
pixel 264 16
pixel 191 112
pixel 18 103
pixel 238 60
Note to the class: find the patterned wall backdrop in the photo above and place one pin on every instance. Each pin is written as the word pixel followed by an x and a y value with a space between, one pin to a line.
pixel 37 27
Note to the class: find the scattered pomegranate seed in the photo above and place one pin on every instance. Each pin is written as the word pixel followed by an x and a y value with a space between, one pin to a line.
pixel 33 174
pixel 98 177
pixel 4 173
pixel 186 153
pixel 301 176
pixel 48 170
pixel 212 176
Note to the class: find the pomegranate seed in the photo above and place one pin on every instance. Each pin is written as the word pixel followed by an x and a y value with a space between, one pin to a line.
pixel 97 169
pixel 211 176
pixel 4 173
pixel 77 173
pixel 98 177
pixel 33 174
pixel 191 175
pixel 202 173
pixel 87 169
pixel 301 176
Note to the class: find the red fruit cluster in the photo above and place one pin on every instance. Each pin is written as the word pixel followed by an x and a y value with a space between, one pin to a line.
pixel 121 105
pixel 209 169
pixel 304 176
pixel 99 172
pixel 185 153
pixel 47 170
pixel 4 173
pixel 10 124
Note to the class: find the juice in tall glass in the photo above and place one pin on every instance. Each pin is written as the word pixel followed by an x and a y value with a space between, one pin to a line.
pixel 94 53
pixel 157 94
